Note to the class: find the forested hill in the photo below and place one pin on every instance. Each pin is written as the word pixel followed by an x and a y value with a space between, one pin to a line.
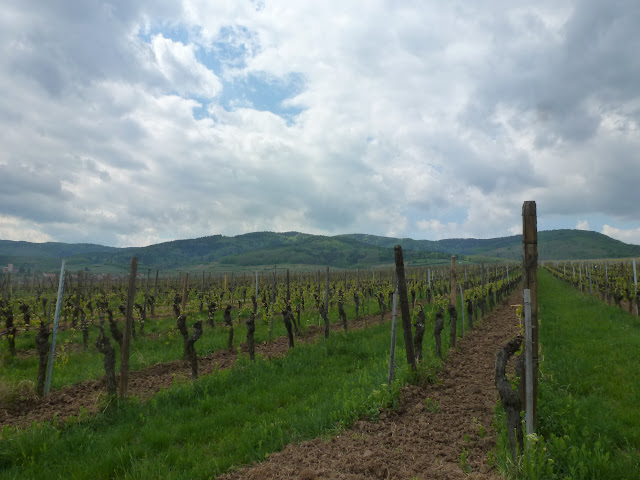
pixel 269 248
pixel 552 245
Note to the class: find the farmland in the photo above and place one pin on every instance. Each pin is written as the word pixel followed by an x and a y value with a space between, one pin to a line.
pixel 360 351
pixel 307 360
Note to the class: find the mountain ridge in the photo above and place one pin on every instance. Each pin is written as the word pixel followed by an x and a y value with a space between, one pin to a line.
pixel 343 251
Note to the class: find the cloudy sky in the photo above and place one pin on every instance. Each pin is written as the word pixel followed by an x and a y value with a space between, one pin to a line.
pixel 129 123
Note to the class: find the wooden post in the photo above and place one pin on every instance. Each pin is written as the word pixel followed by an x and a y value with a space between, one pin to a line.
pixel 126 338
pixel 404 307
pixel 530 282
pixel 392 352
pixel 56 321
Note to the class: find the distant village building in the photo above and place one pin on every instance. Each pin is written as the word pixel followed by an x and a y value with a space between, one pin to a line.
pixel 8 268
pixel 50 275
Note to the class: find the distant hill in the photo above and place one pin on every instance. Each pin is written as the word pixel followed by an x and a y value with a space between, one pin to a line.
pixel 50 249
pixel 552 245
pixel 345 251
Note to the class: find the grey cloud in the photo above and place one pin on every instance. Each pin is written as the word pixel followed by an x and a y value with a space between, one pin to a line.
pixel 65 45
pixel 595 60
pixel 21 180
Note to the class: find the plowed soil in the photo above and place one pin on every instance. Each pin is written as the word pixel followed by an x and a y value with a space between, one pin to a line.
pixel 419 440
pixel 89 396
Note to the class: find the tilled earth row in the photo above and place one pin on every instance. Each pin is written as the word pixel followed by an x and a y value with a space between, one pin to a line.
pixel 447 436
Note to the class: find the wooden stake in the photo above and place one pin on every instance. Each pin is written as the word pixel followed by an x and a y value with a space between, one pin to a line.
pixel 404 307
pixel 530 282
pixel 126 338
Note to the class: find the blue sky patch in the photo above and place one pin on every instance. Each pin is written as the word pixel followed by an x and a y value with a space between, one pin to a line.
pixel 264 93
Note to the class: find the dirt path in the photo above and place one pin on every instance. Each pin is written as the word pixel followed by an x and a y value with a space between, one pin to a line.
pixel 419 440
pixel 89 396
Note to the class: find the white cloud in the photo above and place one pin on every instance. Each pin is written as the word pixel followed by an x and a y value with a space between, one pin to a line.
pixel 582 225
pixel 12 228
pixel 428 120
pixel 436 230
pixel 184 73
pixel 628 236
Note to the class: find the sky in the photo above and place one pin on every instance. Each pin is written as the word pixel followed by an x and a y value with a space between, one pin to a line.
pixel 131 123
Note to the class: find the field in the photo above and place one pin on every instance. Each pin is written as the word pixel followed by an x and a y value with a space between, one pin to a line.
pixel 349 368
pixel 324 409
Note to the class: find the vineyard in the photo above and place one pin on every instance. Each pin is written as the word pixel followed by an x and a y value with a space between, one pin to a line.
pixel 227 370
pixel 187 327
pixel 614 282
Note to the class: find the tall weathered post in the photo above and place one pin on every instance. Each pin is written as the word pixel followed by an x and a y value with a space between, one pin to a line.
pixel 530 282
pixel 404 307
pixel 126 338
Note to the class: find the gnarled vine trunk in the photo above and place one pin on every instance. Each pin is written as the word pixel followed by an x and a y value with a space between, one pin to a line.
pixel 509 397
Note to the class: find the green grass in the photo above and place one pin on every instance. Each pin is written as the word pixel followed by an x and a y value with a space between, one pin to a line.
pixel 230 418
pixel 589 398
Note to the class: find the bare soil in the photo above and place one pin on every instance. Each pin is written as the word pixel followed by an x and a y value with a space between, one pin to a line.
pixel 418 441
